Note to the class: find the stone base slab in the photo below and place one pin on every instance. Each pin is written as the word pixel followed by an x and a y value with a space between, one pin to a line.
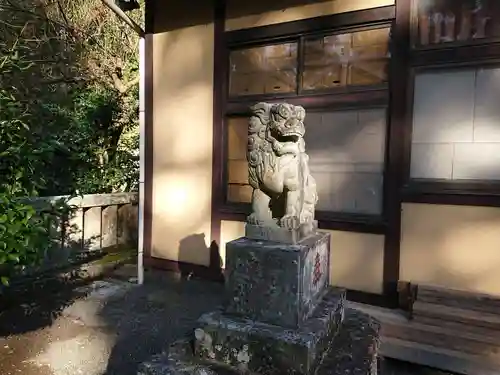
pixel 279 234
pixel 177 360
pixel 353 351
pixel 258 347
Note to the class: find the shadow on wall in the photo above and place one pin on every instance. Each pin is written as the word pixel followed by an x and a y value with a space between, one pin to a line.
pixel 175 15
pixel 190 248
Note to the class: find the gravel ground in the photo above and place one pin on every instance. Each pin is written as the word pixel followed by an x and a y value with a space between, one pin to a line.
pixel 115 326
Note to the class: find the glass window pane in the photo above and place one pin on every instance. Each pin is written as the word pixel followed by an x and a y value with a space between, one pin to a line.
pixel 347 153
pixel 237 131
pixel 239 193
pixel 358 58
pixel 263 70
pixel 445 21
pixel 238 189
pixel 456 125
pixel 346 150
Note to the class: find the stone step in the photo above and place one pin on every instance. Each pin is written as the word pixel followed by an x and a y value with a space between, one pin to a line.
pixel 437 357
pixel 432 352
pixel 456 318
pixel 458 299
pixel 441 337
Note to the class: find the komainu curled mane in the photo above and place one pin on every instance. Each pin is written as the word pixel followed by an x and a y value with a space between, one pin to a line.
pixel 284 192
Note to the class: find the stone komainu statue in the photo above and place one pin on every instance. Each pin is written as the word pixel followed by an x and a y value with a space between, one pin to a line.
pixel 284 192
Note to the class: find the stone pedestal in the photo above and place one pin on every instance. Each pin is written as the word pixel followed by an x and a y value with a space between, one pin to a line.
pixel 277 283
pixel 281 317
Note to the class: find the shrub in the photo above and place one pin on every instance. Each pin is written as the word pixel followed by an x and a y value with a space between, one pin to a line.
pixel 24 236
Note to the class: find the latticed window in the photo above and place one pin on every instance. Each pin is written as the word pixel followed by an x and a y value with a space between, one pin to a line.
pixel 341 80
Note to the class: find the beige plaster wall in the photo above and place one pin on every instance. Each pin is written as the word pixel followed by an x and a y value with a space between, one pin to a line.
pixel 242 15
pixel 182 142
pixel 356 259
pixel 451 246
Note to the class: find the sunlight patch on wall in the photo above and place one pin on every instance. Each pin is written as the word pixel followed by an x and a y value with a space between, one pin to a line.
pixel 182 144
pixel 451 246
pixel 235 21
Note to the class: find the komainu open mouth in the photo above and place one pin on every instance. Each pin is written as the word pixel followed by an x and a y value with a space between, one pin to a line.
pixel 289 137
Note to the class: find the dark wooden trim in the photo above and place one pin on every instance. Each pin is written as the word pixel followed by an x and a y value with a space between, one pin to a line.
pixel 351 222
pixel 396 135
pixel 149 130
pixel 300 65
pixel 189 270
pixel 346 225
pixel 415 187
pixel 439 195
pixel 475 54
pixel 312 25
pixel 407 296
pixel 453 66
pixel 453 199
pixel 373 97
pixel 366 298
pixel 236 208
pixel 219 133
pixel 326 220
pixel 149 16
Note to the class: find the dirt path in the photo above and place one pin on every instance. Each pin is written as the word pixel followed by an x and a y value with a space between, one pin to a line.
pixel 65 348
pixel 113 329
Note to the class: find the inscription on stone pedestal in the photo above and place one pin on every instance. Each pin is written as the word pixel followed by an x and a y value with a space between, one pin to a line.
pixel 316 272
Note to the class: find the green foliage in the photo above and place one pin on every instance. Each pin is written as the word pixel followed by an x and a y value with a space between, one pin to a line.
pixel 24 235
pixel 76 95
pixel 69 114
pixel 103 141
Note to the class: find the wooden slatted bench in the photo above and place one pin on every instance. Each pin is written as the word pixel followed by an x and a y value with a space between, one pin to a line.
pixel 448 329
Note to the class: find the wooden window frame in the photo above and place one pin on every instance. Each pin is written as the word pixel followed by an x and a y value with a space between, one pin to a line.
pixel 355 97
pixel 444 57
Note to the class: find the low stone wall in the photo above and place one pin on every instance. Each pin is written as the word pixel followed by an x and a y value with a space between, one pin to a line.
pixel 91 224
